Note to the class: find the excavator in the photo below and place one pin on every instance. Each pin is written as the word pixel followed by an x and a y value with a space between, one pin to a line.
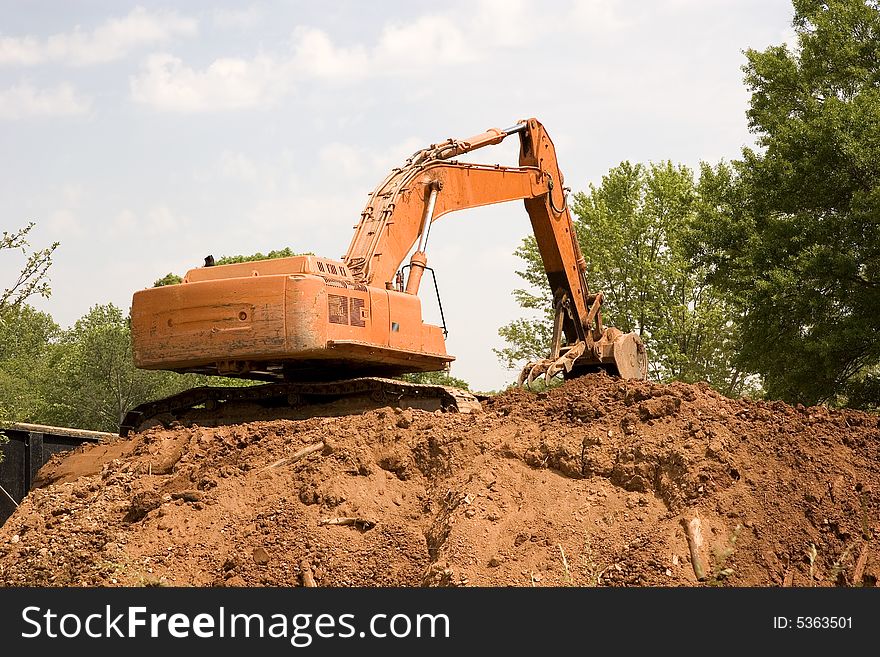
pixel 327 337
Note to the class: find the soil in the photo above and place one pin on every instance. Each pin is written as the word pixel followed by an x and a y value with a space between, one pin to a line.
pixel 592 483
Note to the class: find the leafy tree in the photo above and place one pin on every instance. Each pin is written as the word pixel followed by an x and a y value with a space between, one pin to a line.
pixel 168 279
pixel 33 277
pixel 799 240
pixel 286 252
pixel 633 230
pixel 25 345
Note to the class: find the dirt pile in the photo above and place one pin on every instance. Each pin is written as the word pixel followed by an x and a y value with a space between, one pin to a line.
pixel 591 483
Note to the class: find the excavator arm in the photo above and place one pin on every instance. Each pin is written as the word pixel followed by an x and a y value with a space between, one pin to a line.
pixel 432 184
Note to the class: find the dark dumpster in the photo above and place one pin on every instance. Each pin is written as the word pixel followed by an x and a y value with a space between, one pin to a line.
pixel 29 447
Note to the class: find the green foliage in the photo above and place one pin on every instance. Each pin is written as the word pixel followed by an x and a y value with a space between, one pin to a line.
pixel 436 378
pixel 32 280
pixel 633 230
pixel 168 279
pixel 33 277
pixel 798 239
pixel 286 252
pixel 25 345
pixel 527 340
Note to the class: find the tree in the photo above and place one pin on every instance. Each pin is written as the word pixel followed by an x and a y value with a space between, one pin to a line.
pixel 33 277
pixel 168 279
pixel 633 230
pixel 800 245
pixel 26 337
pixel 286 252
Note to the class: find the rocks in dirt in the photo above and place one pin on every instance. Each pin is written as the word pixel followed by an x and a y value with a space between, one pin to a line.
pixel 658 407
pixel 261 557
pixel 141 504
pixel 404 418
pixel 585 410
pixel 188 496
pixel 557 454
pixel 32 522
pixel 396 459
pixel 628 423
pixel 439 575
pixel 166 453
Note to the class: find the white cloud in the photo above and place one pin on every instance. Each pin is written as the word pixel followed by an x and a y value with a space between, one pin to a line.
pixel 342 159
pixel 598 16
pixel 316 56
pixel 238 166
pixel 124 223
pixel 505 22
pixel 111 40
pixel 73 194
pixel 396 154
pixel 401 48
pixel 64 223
pixel 166 83
pixel 237 18
pixel 246 174
pixel 24 100
pixel 21 50
pixel 367 164
pixel 428 40
pixel 161 220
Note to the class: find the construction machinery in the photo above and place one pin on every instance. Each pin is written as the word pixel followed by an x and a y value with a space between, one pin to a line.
pixel 329 335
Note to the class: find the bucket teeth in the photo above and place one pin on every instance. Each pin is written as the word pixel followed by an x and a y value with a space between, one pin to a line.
pixel 537 370
pixel 523 374
pixel 555 368
pixel 550 368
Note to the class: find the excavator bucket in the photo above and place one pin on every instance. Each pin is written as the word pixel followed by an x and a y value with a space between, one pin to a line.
pixel 630 356
pixel 619 354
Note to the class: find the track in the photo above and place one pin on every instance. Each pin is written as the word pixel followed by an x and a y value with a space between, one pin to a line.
pixel 213 406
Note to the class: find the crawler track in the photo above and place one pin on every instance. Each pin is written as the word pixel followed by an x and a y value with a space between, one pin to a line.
pixel 212 406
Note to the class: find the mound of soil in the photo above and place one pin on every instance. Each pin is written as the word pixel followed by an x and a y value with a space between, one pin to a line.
pixel 595 483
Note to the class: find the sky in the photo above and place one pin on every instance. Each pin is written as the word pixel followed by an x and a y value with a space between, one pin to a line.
pixel 143 137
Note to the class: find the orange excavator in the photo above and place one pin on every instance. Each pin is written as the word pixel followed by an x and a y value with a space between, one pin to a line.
pixel 328 335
